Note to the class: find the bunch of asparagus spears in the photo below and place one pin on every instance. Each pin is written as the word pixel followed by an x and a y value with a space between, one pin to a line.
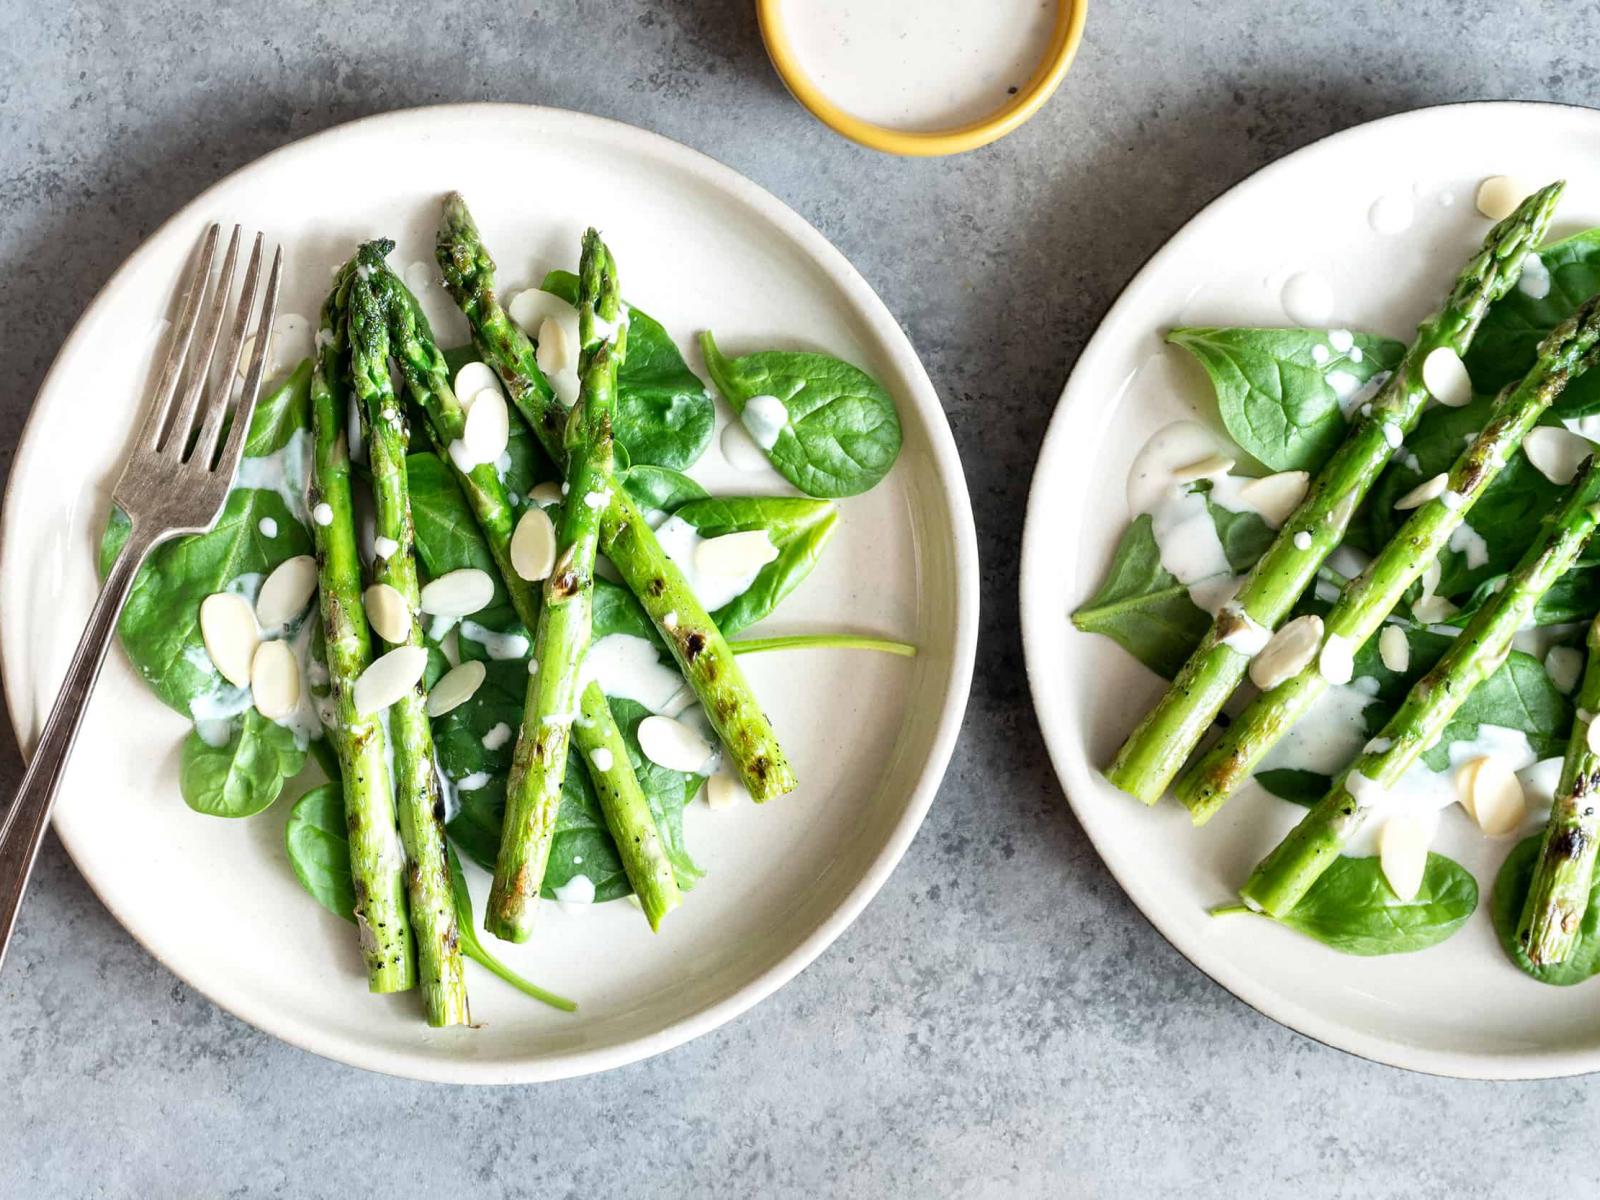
pixel 1154 755
pixel 395 815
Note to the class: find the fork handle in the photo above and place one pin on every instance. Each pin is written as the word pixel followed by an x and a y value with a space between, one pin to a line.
pixel 22 826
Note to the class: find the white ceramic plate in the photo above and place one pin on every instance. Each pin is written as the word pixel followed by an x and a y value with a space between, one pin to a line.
pixel 1457 1009
pixel 870 735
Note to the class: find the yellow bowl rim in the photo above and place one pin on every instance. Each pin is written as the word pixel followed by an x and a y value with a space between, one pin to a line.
pixel 1047 76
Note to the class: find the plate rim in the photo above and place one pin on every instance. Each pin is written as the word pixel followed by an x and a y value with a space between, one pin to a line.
pixel 1035 612
pixel 885 330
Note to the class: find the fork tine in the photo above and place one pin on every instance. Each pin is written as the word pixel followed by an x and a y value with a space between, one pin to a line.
pixel 216 408
pixel 177 437
pixel 182 335
pixel 232 450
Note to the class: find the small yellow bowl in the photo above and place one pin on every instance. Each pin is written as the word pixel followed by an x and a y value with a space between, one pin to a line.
pixel 1047 76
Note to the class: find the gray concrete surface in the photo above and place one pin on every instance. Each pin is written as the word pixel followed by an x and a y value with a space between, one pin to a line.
pixel 1001 1021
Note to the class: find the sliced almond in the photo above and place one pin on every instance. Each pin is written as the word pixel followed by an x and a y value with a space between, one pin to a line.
pixel 531 307
pixel 1446 378
pixel 457 593
pixel 735 555
pixel 1276 497
pixel 672 744
pixel 555 351
pixel 1465 778
pixel 1564 665
pixel 1205 468
pixel 1557 453
pixel 545 494
pixel 488 427
pixel 275 680
pixel 1394 649
pixel 473 379
pixel 1500 195
pixel 455 687
pixel 533 545
pixel 1498 804
pixel 1403 855
pixel 287 591
pixel 724 790
pixel 387 613
pixel 228 626
pixel 1428 489
pixel 389 678
pixel 1287 652
pixel 1336 661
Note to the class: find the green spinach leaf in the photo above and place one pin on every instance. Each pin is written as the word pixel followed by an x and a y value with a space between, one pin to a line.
pixel 1505 908
pixel 1142 606
pixel 1294 785
pixel 317 841
pixel 447 535
pixel 797 527
pixel 840 434
pixel 1575 597
pixel 660 489
pixel 1520 695
pixel 244 775
pixel 1507 341
pixel 664 413
pixel 1277 400
pixel 1352 908
pixel 1244 535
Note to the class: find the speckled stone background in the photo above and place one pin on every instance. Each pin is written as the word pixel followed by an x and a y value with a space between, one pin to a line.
pixel 1001 1021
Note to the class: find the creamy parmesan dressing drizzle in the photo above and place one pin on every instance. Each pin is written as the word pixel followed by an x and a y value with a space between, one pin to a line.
pixel 630 668
pixel 1391 214
pixel 1328 737
pixel 681 540
pixel 575 894
pixel 1307 299
pixel 304 722
pixel 1180 518
pixel 923 67
pixel 1467 540
pixel 764 418
pixel 1534 282
pixel 1191 551
pixel 449 797
pixel 284 471
pixel 498 646
pixel 1422 793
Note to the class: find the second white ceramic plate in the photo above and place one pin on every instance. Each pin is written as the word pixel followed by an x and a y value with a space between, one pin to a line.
pixel 700 247
pixel 1459 1008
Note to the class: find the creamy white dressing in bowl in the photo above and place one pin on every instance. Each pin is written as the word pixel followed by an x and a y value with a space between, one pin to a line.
pixel 924 78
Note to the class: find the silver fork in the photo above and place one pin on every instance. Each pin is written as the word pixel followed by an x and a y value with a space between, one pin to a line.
pixel 176 481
